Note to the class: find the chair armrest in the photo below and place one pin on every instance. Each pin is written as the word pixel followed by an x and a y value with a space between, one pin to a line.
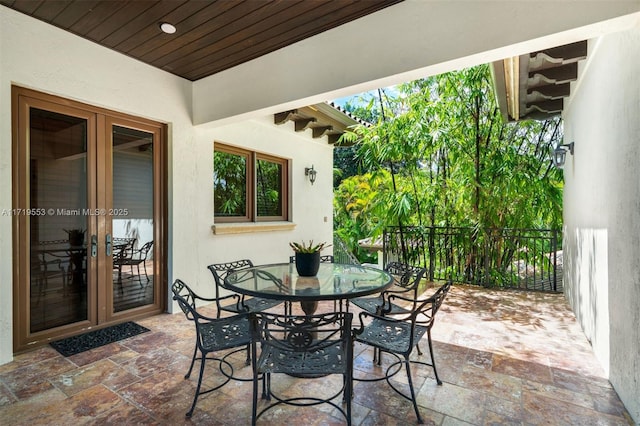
pixel 364 314
pixel 388 302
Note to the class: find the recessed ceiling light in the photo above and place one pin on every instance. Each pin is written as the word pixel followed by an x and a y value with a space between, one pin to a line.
pixel 167 28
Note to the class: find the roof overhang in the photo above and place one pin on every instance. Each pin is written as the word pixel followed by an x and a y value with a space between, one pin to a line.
pixel 323 119
pixel 534 85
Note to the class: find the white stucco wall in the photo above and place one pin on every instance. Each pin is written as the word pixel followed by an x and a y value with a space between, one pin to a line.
pixel 42 57
pixel 602 208
pixel 311 204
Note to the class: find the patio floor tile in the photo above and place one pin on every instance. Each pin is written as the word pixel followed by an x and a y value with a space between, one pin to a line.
pixel 505 358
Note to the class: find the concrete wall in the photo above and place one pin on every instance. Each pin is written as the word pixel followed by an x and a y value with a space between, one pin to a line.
pixel 602 208
pixel 42 57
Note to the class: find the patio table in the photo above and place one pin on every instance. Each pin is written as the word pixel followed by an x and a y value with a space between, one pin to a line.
pixel 334 281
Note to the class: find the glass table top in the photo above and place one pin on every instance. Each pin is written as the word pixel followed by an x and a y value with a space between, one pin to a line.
pixel 333 281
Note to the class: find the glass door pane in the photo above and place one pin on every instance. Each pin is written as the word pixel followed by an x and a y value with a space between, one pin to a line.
pixel 132 218
pixel 57 219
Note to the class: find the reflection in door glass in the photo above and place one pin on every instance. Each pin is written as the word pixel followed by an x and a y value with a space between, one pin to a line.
pixel 57 224
pixel 132 219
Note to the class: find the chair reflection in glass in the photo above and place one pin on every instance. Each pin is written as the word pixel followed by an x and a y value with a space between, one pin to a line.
pixel 44 270
pixel 127 255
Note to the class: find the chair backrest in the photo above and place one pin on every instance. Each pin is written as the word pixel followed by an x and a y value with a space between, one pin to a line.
pixel 221 270
pixel 229 332
pixel 123 249
pixel 323 335
pixel 145 249
pixel 425 311
pixel 185 297
pixel 327 258
pixel 406 276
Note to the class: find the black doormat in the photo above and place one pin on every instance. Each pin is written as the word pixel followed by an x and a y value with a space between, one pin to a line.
pixel 94 339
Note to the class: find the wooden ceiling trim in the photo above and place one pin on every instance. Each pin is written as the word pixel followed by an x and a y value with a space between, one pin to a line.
pixel 94 17
pixel 270 41
pixel 318 132
pixel 73 13
pixel 190 29
pixel 302 124
pixel 551 91
pixel 139 25
pixel 150 39
pixel 118 19
pixel 561 74
pixel 227 35
pixel 283 117
pixel 48 10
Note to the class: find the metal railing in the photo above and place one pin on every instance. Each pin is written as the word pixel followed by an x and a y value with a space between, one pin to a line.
pixel 512 258
pixel 341 254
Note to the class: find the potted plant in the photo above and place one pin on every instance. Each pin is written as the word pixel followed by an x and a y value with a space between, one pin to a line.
pixel 76 236
pixel 307 257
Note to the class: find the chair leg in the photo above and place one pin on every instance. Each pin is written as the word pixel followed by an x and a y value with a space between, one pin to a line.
pixel 433 361
pixel 144 264
pixel 193 360
pixel 195 398
pixel 413 393
pixel 254 401
pixel 139 275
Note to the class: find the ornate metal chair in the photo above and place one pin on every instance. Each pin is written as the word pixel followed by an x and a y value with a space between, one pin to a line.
pixel 240 303
pixel 303 346
pixel 44 269
pixel 406 279
pixel 212 335
pixel 399 334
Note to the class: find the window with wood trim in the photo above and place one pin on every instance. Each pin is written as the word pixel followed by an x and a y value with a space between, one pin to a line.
pixel 249 186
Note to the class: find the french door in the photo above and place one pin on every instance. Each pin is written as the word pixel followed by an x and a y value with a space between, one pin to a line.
pixel 88 217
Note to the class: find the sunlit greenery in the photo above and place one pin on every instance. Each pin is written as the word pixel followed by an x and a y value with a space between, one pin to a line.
pixel 439 153
pixel 229 184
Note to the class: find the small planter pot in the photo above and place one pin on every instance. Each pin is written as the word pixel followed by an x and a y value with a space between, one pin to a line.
pixel 76 237
pixel 307 264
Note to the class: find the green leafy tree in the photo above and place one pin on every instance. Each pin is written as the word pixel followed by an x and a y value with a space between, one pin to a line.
pixel 450 160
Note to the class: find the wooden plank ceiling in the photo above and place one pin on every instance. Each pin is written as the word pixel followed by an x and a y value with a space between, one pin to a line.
pixel 211 36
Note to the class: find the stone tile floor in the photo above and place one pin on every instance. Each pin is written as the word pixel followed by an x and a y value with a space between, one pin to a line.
pixel 505 357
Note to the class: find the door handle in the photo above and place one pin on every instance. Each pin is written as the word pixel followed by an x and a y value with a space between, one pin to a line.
pixel 94 245
pixel 108 244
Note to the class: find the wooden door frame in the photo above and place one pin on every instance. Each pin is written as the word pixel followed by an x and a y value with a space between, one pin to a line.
pixel 22 100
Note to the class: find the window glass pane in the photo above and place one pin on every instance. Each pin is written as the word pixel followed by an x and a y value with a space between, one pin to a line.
pixel 133 218
pixel 229 184
pixel 269 188
pixel 58 187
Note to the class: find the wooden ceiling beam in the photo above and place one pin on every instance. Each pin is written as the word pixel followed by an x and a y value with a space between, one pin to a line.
pixel 319 132
pixel 304 123
pixel 552 91
pixel 283 117
pixel 561 74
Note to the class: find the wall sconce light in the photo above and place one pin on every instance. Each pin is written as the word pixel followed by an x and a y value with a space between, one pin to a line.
pixel 310 173
pixel 559 154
